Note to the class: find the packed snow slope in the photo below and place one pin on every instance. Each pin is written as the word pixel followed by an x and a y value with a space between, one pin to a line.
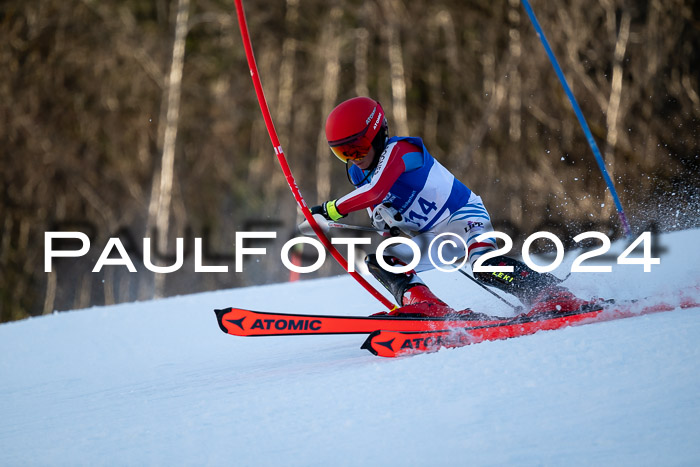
pixel 158 383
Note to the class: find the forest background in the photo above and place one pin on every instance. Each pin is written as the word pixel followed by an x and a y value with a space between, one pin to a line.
pixel 137 118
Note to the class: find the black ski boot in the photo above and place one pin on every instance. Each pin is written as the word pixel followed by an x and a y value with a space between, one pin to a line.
pixel 411 294
pixel 396 284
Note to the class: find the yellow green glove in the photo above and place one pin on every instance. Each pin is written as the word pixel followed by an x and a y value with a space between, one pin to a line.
pixel 328 210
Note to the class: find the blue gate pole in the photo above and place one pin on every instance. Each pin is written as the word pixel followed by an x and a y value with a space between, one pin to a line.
pixel 579 115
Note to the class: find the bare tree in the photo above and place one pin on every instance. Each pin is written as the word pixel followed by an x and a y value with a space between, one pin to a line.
pixel 330 42
pixel 159 210
pixel 393 11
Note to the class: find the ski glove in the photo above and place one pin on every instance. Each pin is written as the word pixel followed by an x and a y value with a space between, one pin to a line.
pixel 328 210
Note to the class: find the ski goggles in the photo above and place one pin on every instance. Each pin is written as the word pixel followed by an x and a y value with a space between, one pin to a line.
pixel 353 148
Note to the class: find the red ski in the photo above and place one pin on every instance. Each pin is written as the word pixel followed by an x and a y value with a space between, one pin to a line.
pixel 239 322
pixel 396 343
pixel 392 336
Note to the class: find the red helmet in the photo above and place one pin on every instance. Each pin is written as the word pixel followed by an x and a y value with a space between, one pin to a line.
pixel 353 126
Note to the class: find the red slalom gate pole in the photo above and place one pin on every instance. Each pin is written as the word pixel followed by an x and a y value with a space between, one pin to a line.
pixel 283 160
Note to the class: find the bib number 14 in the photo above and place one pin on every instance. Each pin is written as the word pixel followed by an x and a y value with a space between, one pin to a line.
pixel 426 206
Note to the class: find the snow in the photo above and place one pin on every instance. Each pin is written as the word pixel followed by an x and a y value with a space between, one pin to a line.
pixel 158 383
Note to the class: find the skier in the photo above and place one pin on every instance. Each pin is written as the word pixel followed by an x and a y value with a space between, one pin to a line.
pixel 403 186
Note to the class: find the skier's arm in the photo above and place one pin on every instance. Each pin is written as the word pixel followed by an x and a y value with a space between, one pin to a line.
pixel 386 174
pixel 388 170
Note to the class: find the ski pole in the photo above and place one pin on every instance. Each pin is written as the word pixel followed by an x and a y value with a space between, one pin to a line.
pixel 393 231
pixel 362 228
pixel 516 308
pixel 305 228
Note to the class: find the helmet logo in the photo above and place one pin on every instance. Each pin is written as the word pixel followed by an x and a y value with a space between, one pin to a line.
pixel 369 119
pixel 379 117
